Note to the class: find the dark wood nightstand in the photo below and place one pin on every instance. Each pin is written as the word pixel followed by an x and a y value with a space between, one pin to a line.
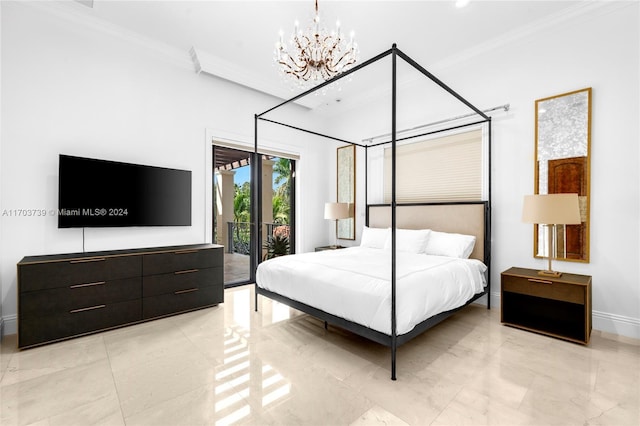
pixel 558 307
pixel 323 248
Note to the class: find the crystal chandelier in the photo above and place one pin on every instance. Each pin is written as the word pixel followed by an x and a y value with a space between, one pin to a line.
pixel 315 55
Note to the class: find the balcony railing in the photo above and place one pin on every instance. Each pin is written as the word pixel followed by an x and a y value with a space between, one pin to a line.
pixel 239 235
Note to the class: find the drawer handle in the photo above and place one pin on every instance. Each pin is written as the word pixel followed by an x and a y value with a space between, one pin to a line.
pixel 188 271
pixel 533 280
pixel 90 308
pixel 88 284
pixel 102 259
pixel 189 290
pixel 186 251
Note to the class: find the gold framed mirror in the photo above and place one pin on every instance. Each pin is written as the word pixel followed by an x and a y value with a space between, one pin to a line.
pixel 563 165
pixel 346 184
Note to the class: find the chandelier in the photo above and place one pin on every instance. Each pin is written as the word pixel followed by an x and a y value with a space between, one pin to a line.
pixel 315 55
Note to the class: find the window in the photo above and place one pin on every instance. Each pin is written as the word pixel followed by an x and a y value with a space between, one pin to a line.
pixel 448 168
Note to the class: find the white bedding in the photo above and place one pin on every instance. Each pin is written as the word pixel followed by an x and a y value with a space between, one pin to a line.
pixel 354 283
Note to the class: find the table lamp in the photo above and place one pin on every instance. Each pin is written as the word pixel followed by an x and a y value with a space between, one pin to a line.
pixel 336 211
pixel 551 210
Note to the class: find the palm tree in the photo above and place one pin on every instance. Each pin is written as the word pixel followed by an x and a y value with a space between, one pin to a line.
pixel 281 198
pixel 282 171
pixel 241 202
pixel 280 209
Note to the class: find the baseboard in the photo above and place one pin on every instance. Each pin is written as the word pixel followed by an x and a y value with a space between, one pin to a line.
pixel 616 324
pixel 8 325
pixel 495 300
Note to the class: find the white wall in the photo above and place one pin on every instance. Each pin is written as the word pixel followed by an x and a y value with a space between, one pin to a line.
pixel 70 88
pixel 599 49
pixel 1 223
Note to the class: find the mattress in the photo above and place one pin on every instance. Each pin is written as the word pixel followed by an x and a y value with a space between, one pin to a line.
pixel 354 283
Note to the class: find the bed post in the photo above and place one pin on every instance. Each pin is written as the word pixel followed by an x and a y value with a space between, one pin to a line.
pixel 487 225
pixel 394 337
pixel 366 185
pixel 253 260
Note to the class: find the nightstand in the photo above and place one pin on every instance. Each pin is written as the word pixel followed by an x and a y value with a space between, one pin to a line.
pixel 323 248
pixel 558 307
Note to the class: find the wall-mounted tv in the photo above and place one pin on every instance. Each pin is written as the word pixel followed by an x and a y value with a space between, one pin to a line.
pixel 100 193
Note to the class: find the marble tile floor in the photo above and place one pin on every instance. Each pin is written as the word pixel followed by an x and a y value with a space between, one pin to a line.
pixel 231 365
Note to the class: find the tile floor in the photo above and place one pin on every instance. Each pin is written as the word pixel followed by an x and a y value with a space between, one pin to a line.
pixel 230 365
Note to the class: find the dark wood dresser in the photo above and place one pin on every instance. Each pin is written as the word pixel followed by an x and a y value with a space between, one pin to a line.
pixel 68 295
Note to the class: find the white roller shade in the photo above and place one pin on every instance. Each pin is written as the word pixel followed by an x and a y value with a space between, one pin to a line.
pixel 443 169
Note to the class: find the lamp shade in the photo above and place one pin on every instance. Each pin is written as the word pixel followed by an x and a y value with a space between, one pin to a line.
pixel 551 209
pixel 335 211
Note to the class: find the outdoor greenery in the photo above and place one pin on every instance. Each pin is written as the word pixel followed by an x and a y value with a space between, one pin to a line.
pixel 276 245
pixel 281 209
pixel 282 194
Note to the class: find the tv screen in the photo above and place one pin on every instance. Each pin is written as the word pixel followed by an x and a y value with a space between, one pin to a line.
pixel 100 193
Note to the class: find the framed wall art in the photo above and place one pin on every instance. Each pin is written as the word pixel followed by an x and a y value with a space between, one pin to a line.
pixel 346 186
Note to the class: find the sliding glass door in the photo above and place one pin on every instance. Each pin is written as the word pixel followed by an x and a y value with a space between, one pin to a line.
pixel 234 198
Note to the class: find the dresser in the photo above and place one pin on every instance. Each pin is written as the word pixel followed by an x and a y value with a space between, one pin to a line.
pixel 555 306
pixel 68 295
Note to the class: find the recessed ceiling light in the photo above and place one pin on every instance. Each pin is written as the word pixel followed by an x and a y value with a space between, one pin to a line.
pixel 462 3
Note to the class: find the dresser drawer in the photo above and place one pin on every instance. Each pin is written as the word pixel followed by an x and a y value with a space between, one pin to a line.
pixel 33 331
pixel 542 287
pixel 181 260
pixel 47 275
pixel 154 285
pixel 65 299
pixel 182 300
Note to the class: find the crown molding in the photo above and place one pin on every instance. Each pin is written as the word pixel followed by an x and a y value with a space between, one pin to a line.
pixel 525 31
pixel 80 15
pixel 581 9
pixel 195 59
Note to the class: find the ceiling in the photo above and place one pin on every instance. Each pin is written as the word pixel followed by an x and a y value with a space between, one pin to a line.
pixel 240 35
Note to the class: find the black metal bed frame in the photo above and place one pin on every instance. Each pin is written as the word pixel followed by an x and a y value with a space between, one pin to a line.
pixel 393 340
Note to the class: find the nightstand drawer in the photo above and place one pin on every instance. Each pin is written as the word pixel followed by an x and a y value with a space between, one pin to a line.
pixel 541 287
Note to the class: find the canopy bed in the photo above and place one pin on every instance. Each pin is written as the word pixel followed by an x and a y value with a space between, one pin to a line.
pixel 377 284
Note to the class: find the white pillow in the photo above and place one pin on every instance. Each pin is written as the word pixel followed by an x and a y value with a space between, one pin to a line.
pixel 374 237
pixel 452 245
pixel 409 240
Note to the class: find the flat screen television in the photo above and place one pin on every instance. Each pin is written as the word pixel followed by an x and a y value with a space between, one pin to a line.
pixel 101 193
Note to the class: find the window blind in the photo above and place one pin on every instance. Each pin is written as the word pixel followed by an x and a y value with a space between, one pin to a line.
pixel 448 168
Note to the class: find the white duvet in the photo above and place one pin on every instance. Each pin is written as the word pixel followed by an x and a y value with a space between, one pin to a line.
pixel 354 284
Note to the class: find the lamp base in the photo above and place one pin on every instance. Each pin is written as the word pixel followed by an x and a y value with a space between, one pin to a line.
pixel 553 274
